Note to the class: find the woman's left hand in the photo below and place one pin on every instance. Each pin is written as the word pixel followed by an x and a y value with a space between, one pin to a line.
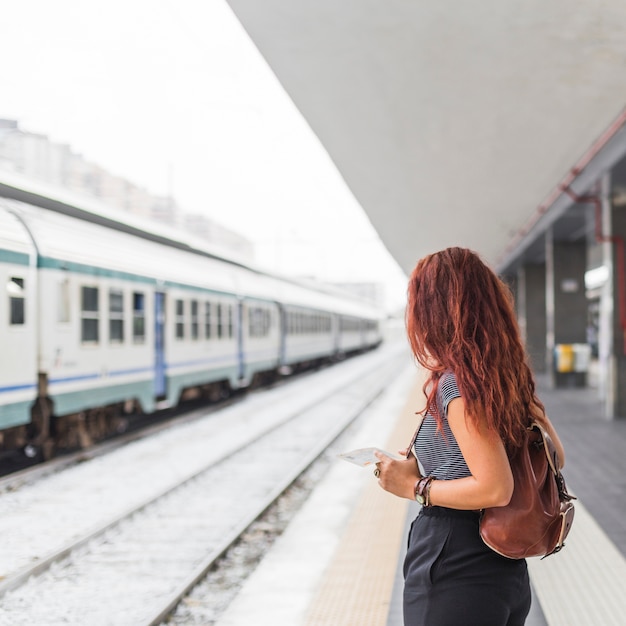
pixel 397 476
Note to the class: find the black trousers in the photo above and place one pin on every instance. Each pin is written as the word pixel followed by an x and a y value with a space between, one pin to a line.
pixel 451 578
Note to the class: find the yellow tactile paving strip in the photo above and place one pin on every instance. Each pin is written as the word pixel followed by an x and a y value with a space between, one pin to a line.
pixel 358 583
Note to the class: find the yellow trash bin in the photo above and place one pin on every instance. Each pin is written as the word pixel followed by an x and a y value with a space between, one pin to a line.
pixel 564 353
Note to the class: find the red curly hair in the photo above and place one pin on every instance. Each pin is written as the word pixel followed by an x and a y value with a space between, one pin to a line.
pixel 460 317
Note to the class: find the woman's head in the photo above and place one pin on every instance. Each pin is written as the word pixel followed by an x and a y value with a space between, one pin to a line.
pixel 460 317
pixel 456 304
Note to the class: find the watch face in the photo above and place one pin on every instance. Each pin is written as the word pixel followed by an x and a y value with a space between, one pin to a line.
pixel 420 499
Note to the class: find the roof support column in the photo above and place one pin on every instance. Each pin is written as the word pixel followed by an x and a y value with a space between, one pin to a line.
pixel 612 348
pixel 566 309
pixel 608 315
pixel 531 312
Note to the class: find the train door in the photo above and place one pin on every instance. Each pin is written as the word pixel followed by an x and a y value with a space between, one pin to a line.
pixel 336 330
pixel 159 344
pixel 240 346
pixel 284 328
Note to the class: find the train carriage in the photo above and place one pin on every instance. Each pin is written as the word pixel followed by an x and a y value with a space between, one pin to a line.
pixel 135 320
pixel 18 331
pixel 201 327
pixel 352 333
pixel 309 334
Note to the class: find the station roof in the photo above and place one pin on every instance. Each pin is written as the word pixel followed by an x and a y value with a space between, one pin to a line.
pixel 450 122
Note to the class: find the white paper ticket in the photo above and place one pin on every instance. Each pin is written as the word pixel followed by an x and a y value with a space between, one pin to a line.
pixel 364 456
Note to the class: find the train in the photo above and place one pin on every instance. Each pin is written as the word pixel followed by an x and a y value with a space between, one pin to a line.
pixel 105 316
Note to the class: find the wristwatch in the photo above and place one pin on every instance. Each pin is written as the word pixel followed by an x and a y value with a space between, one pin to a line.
pixel 422 489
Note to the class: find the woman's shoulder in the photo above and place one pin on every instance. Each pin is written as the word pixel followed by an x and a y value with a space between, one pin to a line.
pixel 448 379
pixel 448 387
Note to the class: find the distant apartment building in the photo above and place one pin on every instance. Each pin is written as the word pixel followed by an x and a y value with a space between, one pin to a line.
pixel 371 292
pixel 219 236
pixel 34 156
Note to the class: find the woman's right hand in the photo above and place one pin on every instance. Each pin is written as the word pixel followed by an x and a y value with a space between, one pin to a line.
pixel 397 476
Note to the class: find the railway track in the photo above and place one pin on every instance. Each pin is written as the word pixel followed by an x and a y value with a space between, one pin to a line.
pixel 122 538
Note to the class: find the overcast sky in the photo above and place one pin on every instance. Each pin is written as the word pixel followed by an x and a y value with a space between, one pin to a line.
pixel 173 96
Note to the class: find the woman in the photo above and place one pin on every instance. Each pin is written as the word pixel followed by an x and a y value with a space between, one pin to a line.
pixel 480 394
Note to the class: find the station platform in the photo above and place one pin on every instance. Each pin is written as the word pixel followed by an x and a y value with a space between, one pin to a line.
pixel 339 562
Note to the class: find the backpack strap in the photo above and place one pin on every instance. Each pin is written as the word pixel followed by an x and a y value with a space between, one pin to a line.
pixel 420 419
pixel 546 442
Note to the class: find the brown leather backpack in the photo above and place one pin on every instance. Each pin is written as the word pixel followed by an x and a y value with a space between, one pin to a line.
pixel 540 514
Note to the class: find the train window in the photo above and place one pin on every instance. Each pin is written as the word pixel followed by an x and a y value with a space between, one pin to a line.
pixel 230 321
pixel 90 315
pixel 259 322
pixel 139 317
pixel 195 325
pixel 180 319
pixel 15 289
pixel 252 322
pixel 116 316
pixel 219 321
pixel 207 320
pixel 63 301
pixel 349 324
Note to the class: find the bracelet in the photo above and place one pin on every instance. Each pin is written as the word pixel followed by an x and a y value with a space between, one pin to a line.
pixel 427 489
pixel 422 490
pixel 416 490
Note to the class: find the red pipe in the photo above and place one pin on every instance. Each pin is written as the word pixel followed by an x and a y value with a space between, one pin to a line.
pixel 619 251
pixel 564 186
pixel 569 178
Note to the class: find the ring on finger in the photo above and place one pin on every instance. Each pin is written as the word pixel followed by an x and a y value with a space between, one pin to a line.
pixel 377 472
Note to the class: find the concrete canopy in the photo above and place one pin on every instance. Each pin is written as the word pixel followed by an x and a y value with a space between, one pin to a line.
pixel 451 122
